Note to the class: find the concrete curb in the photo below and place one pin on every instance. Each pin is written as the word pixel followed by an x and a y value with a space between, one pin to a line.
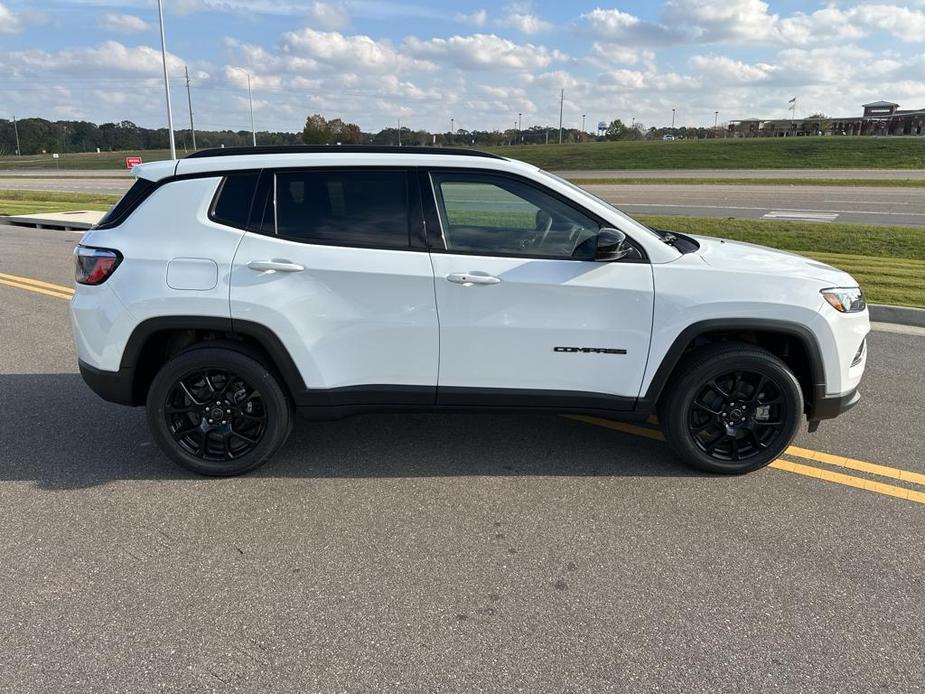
pixel 904 315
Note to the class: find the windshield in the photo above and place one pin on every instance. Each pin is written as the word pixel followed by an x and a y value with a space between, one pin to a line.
pixel 628 223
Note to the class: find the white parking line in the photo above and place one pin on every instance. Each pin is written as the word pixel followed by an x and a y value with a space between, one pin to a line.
pixel 802 216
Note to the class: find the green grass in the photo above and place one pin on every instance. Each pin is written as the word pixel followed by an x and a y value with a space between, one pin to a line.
pixel 81 160
pixel 732 153
pixel 888 262
pixel 741 153
pixel 14 202
pixel 835 182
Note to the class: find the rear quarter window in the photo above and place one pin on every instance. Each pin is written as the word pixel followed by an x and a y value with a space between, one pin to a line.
pixel 132 199
pixel 232 204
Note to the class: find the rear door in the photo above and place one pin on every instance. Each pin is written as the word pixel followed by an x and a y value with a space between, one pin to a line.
pixel 527 317
pixel 329 266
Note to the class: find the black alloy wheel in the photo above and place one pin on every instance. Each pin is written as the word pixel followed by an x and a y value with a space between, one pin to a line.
pixel 217 410
pixel 731 408
pixel 736 415
pixel 215 415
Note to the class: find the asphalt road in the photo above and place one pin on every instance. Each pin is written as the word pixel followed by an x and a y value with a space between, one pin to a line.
pixel 439 553
pixel 862 205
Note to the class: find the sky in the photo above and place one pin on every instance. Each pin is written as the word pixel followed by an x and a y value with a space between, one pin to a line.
pixel 427 61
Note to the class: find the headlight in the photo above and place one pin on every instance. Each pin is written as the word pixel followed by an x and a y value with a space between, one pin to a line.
pixel 845 299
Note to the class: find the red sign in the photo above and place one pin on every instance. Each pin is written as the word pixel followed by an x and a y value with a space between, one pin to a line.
pixel 132 161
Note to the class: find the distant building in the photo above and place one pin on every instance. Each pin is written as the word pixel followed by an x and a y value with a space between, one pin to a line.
pixel 878 118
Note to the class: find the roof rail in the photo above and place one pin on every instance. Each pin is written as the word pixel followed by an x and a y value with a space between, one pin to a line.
pixel 330 149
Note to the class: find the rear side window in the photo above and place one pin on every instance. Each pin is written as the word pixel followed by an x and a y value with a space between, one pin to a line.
pixel 132 199
pixel 233 201
pixel 344 207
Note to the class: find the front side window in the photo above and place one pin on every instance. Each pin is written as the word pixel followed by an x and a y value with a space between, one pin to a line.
pixel 343 207
pixel 497 215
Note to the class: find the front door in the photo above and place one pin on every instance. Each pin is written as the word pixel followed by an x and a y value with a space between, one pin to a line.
pixel 527 317
pixel 331 271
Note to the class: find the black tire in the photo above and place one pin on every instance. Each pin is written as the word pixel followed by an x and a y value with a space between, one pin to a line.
pixel 184 421
pixel 716 423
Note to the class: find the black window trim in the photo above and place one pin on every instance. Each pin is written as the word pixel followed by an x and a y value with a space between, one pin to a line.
pixel 436 218
pixel 413 201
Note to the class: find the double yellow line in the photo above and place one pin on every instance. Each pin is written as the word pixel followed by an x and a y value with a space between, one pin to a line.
pixel 47 288
pixel 787 464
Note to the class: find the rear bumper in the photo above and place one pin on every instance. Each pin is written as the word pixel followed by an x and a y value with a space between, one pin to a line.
pixel 114 386
pixel 829 407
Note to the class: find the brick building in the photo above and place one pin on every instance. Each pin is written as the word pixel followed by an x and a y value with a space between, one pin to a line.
pixel 878 118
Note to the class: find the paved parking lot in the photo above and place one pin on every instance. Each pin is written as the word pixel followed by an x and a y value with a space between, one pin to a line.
pixel 439 553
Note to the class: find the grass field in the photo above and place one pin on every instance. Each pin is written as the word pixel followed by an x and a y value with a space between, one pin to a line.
pixel 833 182
pixel 742 153
pixel 889 262
pixel 14 202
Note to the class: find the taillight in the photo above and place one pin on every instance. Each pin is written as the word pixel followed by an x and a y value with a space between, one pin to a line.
pixel 95 265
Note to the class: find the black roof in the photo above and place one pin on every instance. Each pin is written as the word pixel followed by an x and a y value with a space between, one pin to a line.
pixel 328 149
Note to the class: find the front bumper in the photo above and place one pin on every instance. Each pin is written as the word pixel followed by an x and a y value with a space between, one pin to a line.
pixel 829 407
pixel 114 386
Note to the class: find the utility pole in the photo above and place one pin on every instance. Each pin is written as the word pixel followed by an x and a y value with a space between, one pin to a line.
pixel 16 134
pixel 399 132
pixel 173 144
pixel 561 101
pixel 250 98
pixel 189 100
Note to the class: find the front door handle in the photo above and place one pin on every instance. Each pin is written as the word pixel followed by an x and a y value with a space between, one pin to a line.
pixel 467 279
pixel 275 264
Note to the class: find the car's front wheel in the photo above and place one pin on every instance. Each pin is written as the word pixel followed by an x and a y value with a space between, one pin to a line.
pixel 731 409
pixel 217 411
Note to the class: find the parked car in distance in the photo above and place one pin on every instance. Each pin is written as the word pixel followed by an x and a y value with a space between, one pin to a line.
pixel 233 288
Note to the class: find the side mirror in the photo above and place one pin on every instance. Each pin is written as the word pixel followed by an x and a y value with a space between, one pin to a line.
pixel 610 245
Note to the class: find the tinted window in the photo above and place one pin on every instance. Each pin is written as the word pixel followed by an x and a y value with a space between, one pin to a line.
pixel 495 215
pixel 351 208
pixel 233 202
pixel 132 199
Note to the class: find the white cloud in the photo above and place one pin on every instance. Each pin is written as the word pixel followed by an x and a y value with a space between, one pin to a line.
pixel 340 51
pixel 9 22
pixel 479 18
pixel 722 68
pixel 605 55
pixel 527 23
pixel 123 23
pixel 328 15
pixel 482 52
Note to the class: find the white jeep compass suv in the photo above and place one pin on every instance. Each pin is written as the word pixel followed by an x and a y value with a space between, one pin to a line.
pixel 234 287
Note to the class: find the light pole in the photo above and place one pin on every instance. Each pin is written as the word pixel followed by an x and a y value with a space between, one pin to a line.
pixel 16 135
pixel 583 115
pixel 189 101
pixel 173 144
pixel 561 101
pixel 250 98
pixel 452 131
pixel 672 119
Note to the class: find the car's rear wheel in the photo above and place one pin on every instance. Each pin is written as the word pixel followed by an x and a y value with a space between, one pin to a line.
pixel 217 411
pixel 731 409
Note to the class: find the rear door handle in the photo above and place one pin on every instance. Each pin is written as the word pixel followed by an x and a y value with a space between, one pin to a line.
pixel 275 264
pixel 467 279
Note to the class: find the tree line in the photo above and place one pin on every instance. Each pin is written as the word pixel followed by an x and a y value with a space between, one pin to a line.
pixel 37 135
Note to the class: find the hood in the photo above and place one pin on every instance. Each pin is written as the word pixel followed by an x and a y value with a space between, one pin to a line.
pixel 761 260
